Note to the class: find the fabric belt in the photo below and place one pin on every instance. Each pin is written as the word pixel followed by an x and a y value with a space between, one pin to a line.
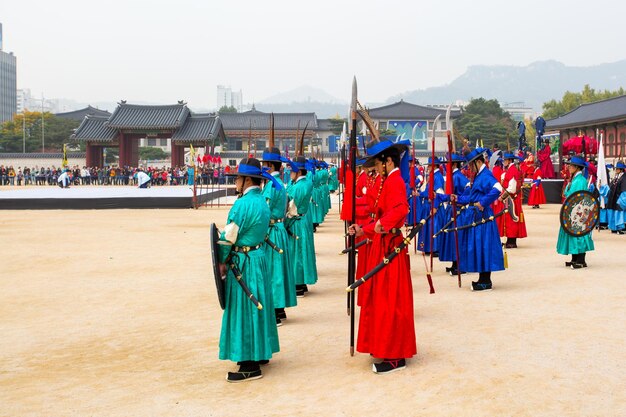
pixel 395 231
pixel 274 221
pixel 246 249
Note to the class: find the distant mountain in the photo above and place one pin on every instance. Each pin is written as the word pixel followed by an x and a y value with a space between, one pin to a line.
pixel 322 110
pixel 533 84
pixel 302 94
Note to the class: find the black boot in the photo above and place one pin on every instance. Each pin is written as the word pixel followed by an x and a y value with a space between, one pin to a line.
pixel 248 370
pixel 568 264
pixel 579 261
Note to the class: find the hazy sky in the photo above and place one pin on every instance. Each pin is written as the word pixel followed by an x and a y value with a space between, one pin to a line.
pixel 163 51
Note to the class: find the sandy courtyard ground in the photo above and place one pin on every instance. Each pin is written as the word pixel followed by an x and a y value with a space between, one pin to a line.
pixel 114 313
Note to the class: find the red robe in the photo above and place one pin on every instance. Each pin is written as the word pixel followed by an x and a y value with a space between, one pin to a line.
pixel 513 229
pixel 497 206
pixel 547 170
pixel 386 324
pixel 365 207
pixel 536 195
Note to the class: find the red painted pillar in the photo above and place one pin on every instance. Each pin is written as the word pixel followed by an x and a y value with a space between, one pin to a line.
pixel 122 149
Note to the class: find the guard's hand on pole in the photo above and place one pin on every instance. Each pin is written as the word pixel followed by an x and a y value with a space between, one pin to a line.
pixel 453 198
pixel 479 206
pixel 355 230
pixel 223 270
pixel 378 228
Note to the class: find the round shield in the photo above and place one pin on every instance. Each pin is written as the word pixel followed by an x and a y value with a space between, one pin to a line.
pixel 580 213
pixel 219 282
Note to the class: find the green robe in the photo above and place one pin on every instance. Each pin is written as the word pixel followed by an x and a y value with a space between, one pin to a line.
pixel 333 180
pixel 317 205
pixel 248 334
pixel 571 245
pixel 303 248
pixel 280 265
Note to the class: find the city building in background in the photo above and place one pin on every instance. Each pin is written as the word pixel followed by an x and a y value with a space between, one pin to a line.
pixel 8 83
pixel 226 97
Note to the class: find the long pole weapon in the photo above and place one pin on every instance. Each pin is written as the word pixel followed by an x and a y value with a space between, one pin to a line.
pixel 351 239
pixel 249 138
pixel 450 190
pixel 431 192
pixel 389 257
pixel 413 184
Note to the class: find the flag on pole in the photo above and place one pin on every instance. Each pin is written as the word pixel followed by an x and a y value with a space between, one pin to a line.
pixel 602 179
pixel 192 156
pixel 64 163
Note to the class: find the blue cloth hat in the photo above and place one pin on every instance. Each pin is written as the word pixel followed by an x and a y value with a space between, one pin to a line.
pixel 378 149
pixel 476 153
pixel 578 161
pixel 511 155
pixel 620 165
pixel 457 158
pixel 271 155
pixel 251 167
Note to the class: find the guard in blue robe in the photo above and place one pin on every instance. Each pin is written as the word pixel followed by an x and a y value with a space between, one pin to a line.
pixel 427 231
pixel 447 251
pixel 482 250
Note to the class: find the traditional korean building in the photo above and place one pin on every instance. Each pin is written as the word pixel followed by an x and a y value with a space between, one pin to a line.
pixel 401 117
pixel 253 127
pixel 129 124
pixel 607 116
pixel 79 115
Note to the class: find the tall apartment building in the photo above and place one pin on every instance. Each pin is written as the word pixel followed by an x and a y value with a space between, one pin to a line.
pixel 8 83
pixel 229 98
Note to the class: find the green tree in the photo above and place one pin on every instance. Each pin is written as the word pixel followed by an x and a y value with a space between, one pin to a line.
pixel 56 132
pixel 485 120
pixel 570 101
pixel 227 109
pixel 336 124
pixel 147 152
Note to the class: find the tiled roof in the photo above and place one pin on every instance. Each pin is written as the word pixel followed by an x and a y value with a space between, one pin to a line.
pixel 80 114
pixel 261 120
pixel 407 111
pixel 95 128
pixel 199 127
pixel 324 124
pixel 132 116
pixel 591 113
pixel 38 155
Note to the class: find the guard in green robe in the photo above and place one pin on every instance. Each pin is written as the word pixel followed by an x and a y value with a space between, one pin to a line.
pixel 333 181
pixel 280 264
pixel 249 336
pixel 299 223
pixel 567 244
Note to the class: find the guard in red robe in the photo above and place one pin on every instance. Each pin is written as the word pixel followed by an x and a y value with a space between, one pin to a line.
pixel 536 197
pixel 386 323
pixel 545 163
pixel 364 208
pixel 497 205
pixel 512 183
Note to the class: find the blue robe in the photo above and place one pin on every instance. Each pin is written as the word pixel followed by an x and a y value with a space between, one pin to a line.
pixel 480 246
pixel 447 250
pixel 425 234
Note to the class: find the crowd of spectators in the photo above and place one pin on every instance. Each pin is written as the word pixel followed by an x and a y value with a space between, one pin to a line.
pixel 112 175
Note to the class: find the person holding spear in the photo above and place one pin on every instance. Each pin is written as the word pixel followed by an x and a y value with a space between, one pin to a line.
pixel 386 324
pixel 483 253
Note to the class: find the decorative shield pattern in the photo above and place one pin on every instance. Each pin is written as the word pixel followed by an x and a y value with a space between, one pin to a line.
pixel 580 213
pixel 219 282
